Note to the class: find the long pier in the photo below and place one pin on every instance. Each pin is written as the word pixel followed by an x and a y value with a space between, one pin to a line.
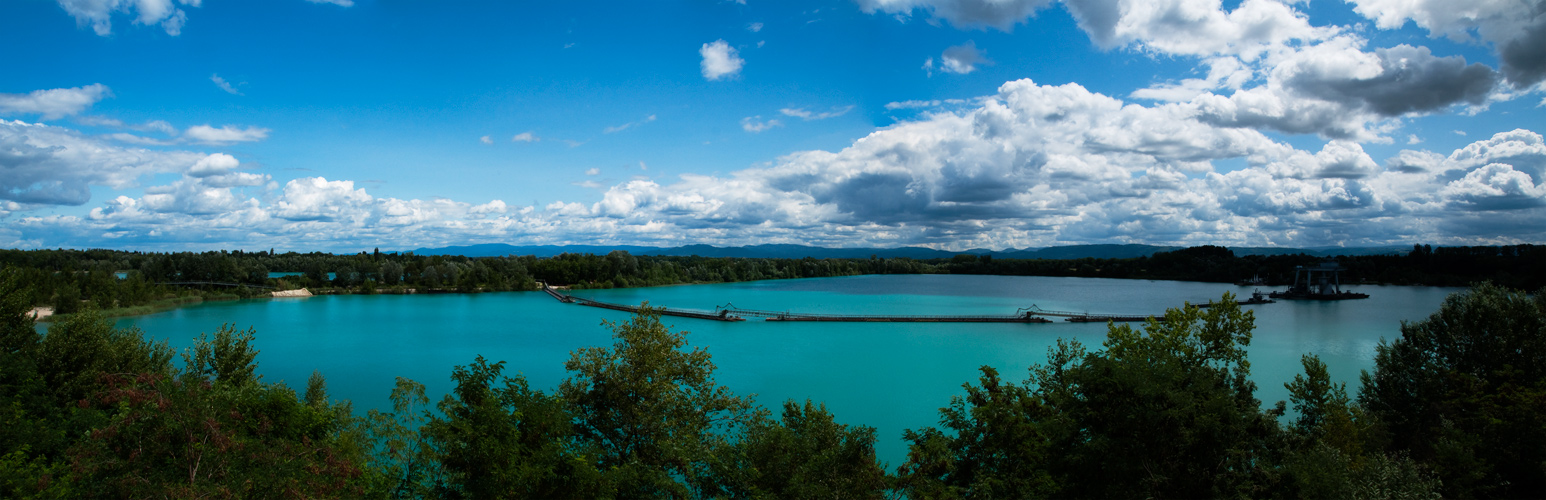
pixel 663 311
pixel 730 312
pixel 1021 316
pixel 1085 317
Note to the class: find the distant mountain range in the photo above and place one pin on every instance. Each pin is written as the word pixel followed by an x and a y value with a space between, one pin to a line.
pixel 802 251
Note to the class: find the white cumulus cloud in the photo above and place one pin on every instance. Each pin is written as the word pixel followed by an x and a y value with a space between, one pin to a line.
pixel 316 198
pixel 1029 165
pixel 720 60
pixel 1516 29
pixel 98 13
pixel 54 103
pixel 50 165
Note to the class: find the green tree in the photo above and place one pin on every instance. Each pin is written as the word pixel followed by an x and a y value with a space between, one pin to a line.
pixel 233 436
pixel 1332 451
pixel 391 273
pixel 24 475
pixel 1325 412
pixel 18 330
pixel 34 427
pixel 508 442
pixel 1464 391
pixel 228 358
pixel 996 445
pixel 1169 412
pixel 651 408
pixel 82 347
pixel 316 390
pixel 401 458
pixel 806 454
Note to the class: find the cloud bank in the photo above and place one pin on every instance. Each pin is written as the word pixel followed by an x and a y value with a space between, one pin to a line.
pixel 1032 165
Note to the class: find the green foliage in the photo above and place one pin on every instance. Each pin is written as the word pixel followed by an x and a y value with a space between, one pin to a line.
pixel 508 442
pixel 184 438
pixel 1326 414
pixel 653 411
pixel 29 416
pixel 1166 413
pixel 1456 406
pixel 24 476
pixel 1332 449
pixel 18 331
pixel 85 346
pixel 75 279
pixel 194 436
pixel 1170 413
pixel 229 358
pixel 1464 392
pixel 316 390
pixel 403 462
pixel 89 410
pixel 999 448
pixel 807 454
pixel 1322 471
pixel 643 418
pixel 391 273
pixel 34 427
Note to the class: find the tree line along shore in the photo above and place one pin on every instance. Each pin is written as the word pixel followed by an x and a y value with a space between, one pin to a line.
pixel 127 283
pixel 1455 407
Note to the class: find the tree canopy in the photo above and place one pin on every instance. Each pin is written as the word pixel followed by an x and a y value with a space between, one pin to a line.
pixel 1453 407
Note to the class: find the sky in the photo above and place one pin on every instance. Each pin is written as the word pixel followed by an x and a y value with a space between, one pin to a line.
pixel 347 125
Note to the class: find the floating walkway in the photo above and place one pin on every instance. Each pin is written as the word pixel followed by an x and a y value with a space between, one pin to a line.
pixel 1021 316
pixel 663 311
pixel 1085 317
pixel 730 312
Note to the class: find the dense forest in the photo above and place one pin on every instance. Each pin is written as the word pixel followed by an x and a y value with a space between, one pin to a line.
pixel 1456 407
pixel 133 282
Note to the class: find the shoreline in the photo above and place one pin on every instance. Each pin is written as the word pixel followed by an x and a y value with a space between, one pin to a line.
pixel 46 314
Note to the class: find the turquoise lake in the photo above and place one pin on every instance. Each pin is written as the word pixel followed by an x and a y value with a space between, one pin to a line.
pixel 891 376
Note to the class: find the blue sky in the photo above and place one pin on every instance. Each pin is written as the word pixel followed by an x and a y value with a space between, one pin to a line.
pixel 314 125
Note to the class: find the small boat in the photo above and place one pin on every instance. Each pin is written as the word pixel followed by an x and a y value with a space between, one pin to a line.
pixel 1257 298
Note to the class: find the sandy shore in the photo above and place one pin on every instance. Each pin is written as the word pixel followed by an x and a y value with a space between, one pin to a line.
pixel 292 293
pixel 38 313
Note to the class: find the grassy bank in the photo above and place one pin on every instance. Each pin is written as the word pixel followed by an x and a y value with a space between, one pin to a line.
pixel 156 306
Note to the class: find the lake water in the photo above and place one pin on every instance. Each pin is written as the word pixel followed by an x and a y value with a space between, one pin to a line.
pixel 891 376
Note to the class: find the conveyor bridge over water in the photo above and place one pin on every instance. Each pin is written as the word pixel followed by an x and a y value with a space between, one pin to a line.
pixel 729 312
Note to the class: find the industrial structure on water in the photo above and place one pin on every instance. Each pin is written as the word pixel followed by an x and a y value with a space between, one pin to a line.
pixel 1321 282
